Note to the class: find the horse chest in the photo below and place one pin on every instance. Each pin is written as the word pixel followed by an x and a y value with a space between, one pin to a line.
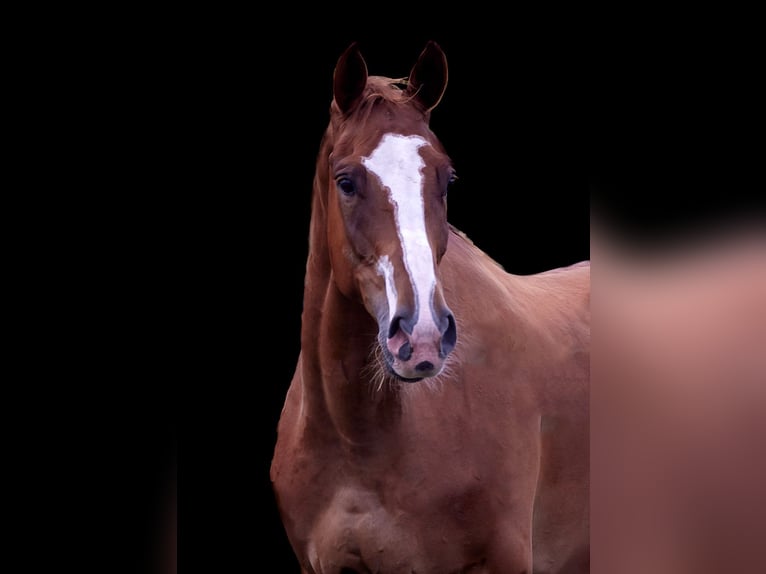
pixel 395 518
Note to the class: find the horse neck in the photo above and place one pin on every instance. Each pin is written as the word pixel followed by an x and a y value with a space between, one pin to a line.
pixel 337 335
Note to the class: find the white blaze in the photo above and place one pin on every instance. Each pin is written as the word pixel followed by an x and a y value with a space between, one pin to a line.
pixel 398 165
pixel 387 271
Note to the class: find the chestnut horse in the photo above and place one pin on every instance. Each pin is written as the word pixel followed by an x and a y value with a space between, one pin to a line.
pixel 437 421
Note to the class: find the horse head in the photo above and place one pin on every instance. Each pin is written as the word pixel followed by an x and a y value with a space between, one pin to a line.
pixel 387 207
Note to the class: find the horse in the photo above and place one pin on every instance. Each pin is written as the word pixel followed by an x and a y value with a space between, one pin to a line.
pixel 437 419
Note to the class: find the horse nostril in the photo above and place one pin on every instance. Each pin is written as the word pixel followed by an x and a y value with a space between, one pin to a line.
pixel 403 322
pixel 394 326
pixel 424 366
pixel 449 337
pixel 405 352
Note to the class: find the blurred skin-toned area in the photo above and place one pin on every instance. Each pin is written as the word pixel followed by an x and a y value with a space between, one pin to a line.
pixel 678 425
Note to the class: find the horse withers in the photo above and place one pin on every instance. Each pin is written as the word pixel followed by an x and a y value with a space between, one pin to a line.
pixel 437 421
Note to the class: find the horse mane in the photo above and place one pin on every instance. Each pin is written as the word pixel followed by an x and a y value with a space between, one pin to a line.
pixel 461 235
pixel 380 91
pixel 387 89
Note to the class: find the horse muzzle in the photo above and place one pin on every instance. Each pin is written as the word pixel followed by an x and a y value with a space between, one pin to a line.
pixel 418 350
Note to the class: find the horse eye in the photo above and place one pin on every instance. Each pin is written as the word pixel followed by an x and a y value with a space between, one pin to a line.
pixel 346 186
pixel 450 183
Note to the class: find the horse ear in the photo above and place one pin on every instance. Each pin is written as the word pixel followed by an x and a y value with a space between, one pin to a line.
pixel 428 78
pixel 349 78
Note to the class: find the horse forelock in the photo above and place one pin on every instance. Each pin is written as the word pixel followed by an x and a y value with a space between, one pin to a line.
pixel 380 92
